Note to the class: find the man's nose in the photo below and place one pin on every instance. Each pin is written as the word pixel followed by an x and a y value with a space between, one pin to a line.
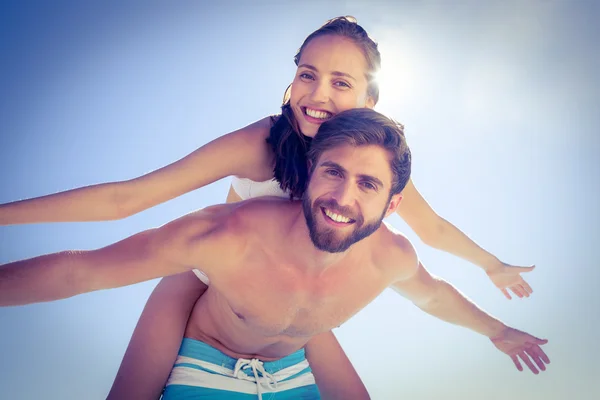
pixel 344 194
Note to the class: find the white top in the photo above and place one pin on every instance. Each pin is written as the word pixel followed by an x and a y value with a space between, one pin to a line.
pixel 248 189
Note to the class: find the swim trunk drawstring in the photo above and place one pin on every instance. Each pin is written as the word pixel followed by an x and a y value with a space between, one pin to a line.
pixel 257 366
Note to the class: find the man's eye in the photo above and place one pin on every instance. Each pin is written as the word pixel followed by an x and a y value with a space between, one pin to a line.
pixel 368 185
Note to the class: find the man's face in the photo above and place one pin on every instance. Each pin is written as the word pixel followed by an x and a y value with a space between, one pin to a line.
pixel 348 196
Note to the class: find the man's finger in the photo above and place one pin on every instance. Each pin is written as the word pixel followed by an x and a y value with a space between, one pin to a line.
pixel 506 294
pixel 538 350
pixel 536 358
pixel 536 340
pixel 524 291
pixel 517 363
pixel 528 362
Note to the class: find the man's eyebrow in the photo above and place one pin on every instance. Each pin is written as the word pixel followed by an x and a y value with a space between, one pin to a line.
pixel 336 73
pixel 372 179
pixel 332 164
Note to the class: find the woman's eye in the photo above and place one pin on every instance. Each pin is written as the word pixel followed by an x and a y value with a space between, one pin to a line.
pixel 342 84
pixel 304 75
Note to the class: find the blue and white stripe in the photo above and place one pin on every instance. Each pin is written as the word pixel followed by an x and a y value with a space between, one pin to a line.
pixel 201 371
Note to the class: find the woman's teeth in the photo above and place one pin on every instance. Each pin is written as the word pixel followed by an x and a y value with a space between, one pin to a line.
pixel 317 114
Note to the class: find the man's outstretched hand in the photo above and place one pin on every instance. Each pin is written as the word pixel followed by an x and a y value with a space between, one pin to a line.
pixel 521 346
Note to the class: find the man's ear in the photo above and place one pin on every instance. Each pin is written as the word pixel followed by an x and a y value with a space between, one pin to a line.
pixel 370 103
pixel 394 203
pixel 309 167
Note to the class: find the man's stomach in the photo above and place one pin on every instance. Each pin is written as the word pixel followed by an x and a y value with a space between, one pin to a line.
pixel 213 322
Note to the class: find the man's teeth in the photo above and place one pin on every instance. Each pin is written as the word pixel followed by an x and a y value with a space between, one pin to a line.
pixel 317 114
pixel 337 217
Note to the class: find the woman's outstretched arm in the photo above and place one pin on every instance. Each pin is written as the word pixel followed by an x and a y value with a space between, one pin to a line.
pixel 156 339
pixel 243 152
pixel 436 232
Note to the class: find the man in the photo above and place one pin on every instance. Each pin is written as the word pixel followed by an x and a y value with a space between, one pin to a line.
pixel 281 272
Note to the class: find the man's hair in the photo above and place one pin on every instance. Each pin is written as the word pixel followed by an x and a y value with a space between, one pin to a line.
pixel 363 127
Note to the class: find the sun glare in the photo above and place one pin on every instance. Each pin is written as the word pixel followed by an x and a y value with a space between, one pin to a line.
pixel 397 77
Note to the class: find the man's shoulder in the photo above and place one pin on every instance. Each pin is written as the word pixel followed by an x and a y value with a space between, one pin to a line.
pixel 395 240
pixel 262 210
pixel 215 235
pixel 241 216
pixel 201 223
pixel 397 251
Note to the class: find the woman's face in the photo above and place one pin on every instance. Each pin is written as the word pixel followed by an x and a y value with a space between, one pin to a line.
pixel 331 78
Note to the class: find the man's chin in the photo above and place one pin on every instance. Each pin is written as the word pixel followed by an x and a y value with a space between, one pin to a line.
pixel 331 246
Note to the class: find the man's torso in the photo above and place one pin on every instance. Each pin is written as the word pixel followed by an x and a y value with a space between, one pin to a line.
pixel 268 306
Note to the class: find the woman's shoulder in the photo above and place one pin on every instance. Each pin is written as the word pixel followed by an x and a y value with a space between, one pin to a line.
pixel 257 131
pixel 250 144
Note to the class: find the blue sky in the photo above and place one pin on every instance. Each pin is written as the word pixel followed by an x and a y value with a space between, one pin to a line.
pixel 499 99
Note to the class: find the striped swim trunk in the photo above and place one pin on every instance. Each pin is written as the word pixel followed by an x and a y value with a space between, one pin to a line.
pixel 203 372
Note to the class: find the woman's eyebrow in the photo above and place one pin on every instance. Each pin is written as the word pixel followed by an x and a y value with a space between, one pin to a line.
pixel 336 73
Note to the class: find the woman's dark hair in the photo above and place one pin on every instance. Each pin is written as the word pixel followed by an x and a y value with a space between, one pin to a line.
pixel 290 148
pixel 288 143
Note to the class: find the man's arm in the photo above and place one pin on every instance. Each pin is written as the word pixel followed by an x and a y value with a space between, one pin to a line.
pixel 175 247
pixel 440 299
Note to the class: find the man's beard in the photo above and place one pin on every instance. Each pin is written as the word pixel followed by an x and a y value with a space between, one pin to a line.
pixel 326 239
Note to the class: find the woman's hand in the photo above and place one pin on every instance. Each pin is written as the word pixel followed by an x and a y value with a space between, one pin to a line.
pixel 506 276
pixel 439 233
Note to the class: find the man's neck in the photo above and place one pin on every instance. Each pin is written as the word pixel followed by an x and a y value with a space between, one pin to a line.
pixel 303 251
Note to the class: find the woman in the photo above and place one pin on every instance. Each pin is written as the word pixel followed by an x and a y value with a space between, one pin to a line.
pixel 336 68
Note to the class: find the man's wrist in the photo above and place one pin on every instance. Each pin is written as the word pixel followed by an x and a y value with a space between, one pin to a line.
pixel 496 330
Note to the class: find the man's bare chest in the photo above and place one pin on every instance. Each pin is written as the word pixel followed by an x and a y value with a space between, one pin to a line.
pixel 278 300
